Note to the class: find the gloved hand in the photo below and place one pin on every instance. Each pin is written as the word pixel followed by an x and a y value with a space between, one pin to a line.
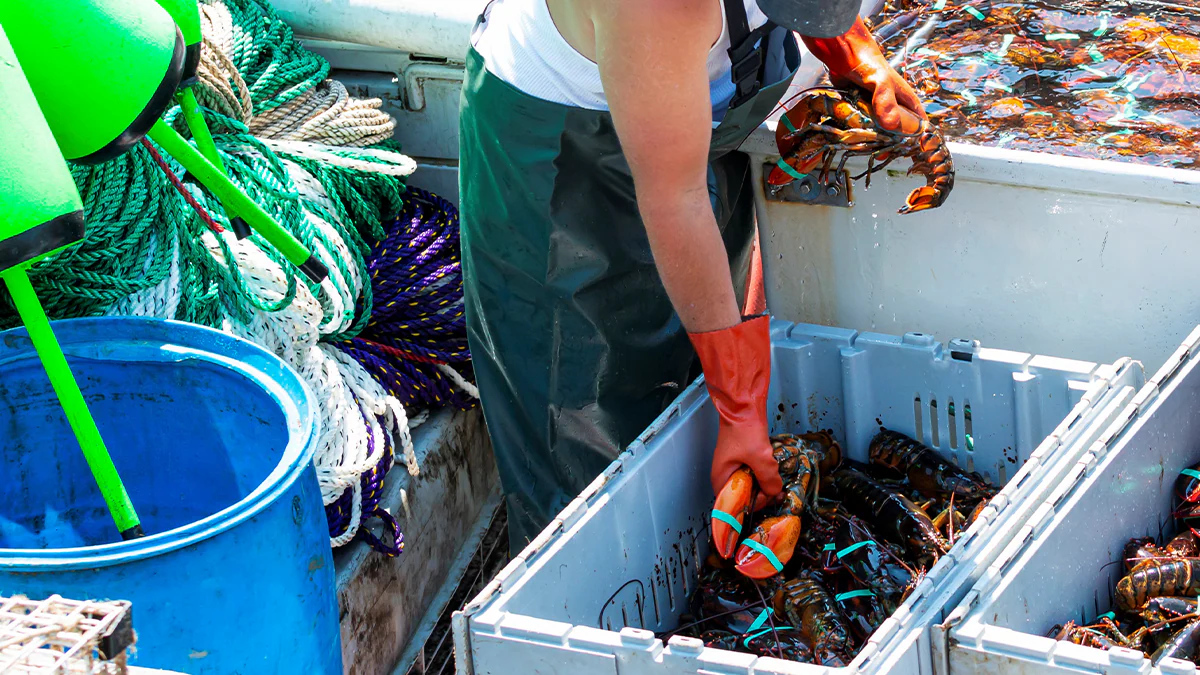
pixel 737 370
pixel 857 58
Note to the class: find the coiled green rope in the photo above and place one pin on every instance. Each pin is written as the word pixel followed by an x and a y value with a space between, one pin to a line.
pixel 275 66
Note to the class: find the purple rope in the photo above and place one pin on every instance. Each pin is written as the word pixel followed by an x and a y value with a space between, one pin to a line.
pixel 418 315
pixel 416 385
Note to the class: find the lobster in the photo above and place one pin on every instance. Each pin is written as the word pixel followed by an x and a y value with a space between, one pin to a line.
pixel 1154 577
pixel 1104 634
pixel 807 604
pixel 871 563
pixel 730 609
pixel 786 643
pixel 925 468
pixel 1138 552
pixel 863 611
pixel 895 517
pixel 825 121
pixel 800 459
pixel 1182 645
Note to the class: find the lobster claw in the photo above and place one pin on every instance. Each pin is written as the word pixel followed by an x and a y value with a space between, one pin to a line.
pixel 779 176
pixel 792 167
pixel 733 505
pixel 777 535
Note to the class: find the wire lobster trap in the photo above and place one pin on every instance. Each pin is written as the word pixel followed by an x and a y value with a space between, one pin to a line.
pixel 57 636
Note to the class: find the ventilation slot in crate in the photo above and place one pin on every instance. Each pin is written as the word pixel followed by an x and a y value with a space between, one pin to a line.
pixel 959 445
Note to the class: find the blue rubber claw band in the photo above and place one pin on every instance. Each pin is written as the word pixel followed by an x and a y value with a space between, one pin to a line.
pixel 861 593
pixel 762 619
pixel 830 547
pixel 1190 472
pixel 763 632
pixel 854 547
pixel 788 123
pixel 727 519
pixel 767 553
pixel 790 170
pixel 758 623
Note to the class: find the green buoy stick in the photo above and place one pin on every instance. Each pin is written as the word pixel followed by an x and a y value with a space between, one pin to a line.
pixel 186 14
pixel 204 140
pixel 195 121
pixel 40 214
pixel 229 194
pixel 71 398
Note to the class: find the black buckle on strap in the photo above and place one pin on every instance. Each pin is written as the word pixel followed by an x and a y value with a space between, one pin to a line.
pixel 746 67
pixel 748 61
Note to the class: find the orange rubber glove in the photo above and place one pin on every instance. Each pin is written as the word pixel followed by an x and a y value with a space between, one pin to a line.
pixel 737 371
pixel 857 58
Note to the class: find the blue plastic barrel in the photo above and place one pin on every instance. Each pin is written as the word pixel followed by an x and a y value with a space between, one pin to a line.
pixel 214 438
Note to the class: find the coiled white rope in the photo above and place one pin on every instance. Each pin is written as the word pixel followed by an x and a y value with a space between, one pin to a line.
pixel 352 408
pixel 323 114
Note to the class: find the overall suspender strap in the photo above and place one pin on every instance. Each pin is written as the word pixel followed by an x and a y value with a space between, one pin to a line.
pixel 747 51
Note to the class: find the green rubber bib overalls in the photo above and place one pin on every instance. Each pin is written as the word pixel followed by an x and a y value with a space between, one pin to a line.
pixel 575 344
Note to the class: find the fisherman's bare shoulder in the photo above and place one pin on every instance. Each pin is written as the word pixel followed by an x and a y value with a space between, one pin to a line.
pixel 692 14
pixel 579 20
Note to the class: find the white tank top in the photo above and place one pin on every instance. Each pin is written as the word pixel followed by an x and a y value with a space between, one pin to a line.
pixel 521 45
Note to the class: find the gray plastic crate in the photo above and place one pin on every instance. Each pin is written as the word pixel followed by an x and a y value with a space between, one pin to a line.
pixel 620 561
pixel 1058 567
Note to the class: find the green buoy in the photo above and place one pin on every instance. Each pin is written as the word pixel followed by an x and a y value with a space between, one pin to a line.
pixel 103 72
pixel 40 213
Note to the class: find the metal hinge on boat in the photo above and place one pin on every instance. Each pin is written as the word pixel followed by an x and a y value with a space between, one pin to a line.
pixel 831 189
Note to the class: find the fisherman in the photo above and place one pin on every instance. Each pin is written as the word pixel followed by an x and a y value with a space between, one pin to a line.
pixel 607 221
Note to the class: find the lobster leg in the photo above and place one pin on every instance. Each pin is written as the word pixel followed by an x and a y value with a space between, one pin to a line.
pixel 847 136
pixel 864 151
pixel 830 152
pixel 808 129
pixel 872 167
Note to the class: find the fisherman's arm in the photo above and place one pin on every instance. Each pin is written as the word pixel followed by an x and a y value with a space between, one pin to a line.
pixel 652 56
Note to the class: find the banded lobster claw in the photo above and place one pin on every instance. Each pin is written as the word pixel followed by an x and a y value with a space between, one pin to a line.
pixel 731 509
pixel 765 553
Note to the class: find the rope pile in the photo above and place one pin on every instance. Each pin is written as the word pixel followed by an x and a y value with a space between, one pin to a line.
pixel 159 245
pixel 244 45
